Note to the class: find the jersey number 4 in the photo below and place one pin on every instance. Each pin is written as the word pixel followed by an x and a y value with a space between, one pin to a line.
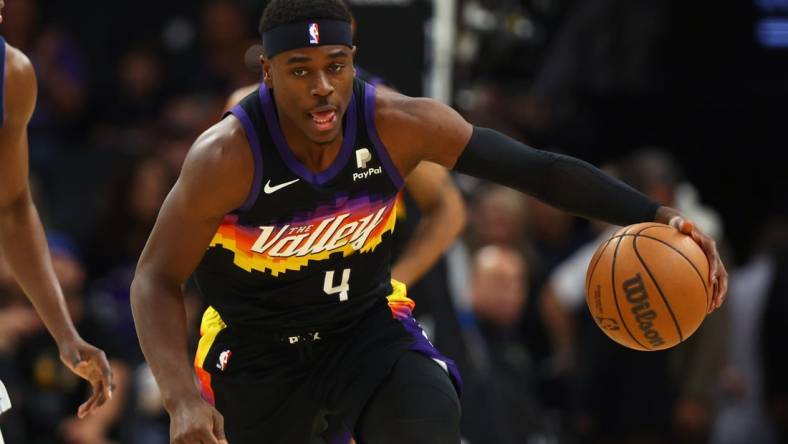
pixel 342 288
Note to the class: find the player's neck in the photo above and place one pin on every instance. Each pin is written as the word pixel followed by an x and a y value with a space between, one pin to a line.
pixel 316 157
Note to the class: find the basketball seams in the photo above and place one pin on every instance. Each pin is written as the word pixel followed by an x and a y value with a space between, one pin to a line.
pixel 598 257
pixel 655 225
pixel 667 244
pixel 656 284
pixel 615 294
pixel 692 264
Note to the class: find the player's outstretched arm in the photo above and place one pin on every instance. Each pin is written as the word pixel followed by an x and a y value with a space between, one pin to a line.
pixel 423 128
pixel 215 179
pixel 442 219
pixel 22 237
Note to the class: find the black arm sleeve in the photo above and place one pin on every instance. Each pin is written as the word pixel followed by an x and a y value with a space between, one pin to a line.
pixel 564 182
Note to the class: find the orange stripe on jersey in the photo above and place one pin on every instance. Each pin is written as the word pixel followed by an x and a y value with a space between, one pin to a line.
pixel 206 391
pixel 210 326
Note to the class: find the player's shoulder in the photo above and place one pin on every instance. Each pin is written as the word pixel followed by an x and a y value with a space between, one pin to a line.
pixel 221 160
pixel 416 117
pixel 419 128
pixel 392 106
pixel 20 85
pixel 18 68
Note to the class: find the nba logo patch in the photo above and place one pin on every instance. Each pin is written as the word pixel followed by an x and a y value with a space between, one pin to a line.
pixel 224 359
pixel 314 34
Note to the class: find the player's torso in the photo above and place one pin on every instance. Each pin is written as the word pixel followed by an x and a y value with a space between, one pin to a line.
pixel 307 248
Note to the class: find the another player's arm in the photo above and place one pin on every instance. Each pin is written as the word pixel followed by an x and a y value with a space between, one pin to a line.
pixel 424 129
pixel 559 324
pixel 215 179
pixel 22 238
pixel 442 219
pixel 239 95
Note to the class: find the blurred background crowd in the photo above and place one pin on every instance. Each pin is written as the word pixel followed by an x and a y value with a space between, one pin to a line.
pixel 684 100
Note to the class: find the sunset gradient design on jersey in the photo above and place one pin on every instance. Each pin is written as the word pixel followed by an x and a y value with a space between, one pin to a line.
pixel 400 304
pixel 347 226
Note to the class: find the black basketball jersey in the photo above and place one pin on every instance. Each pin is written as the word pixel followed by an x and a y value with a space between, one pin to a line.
pixel 2 81
pixel 306 249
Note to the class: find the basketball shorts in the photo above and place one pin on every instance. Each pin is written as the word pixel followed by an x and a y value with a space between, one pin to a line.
pixel 290 391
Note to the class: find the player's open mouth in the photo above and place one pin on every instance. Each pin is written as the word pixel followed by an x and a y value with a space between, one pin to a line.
pixel 324 120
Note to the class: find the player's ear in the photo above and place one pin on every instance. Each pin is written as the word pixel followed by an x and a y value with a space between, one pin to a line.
pixel 353 54
pixel 266 70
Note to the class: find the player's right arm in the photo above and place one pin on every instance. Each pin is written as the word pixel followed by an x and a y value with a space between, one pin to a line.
pixel 215 179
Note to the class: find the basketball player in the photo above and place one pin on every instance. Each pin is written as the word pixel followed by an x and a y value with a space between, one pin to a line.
pixel 22 240
pixel 283 211
pixel 430 216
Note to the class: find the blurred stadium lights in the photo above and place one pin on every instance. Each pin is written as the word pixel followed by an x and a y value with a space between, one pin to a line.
pixel 771 30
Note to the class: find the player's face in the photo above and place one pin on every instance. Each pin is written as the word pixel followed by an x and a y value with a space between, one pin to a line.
pixel 312 88
pixel 2 4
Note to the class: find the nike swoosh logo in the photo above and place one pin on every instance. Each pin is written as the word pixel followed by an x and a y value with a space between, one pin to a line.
pixel 268 189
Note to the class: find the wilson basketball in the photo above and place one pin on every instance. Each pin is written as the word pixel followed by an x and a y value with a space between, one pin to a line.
pixel 647 286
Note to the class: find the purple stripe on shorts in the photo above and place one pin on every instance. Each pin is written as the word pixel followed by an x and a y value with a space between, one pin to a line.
pixel 254 142
pixel 369 110
pixel 425 347
pixel 349 139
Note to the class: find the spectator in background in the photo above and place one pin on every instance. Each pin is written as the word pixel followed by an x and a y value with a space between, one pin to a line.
pixel 744 415
pixel 129 213
pixel 21 31
pixel 139 87
pixel 182 119
pixel 226 38
pixel 562 300
pixel 499 293
pixel 543 235
pixel 772 333
pixel 63 83
pixel 499 217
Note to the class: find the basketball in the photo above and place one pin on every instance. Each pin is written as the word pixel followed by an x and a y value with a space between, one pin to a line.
pixel 647 286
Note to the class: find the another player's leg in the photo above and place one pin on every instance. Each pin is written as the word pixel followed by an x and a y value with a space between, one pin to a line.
pixel 416 404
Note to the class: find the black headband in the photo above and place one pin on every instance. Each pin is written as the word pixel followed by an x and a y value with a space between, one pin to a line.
pixel 306 34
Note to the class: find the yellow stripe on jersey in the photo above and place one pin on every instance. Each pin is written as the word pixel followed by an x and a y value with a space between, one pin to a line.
pixel 210 326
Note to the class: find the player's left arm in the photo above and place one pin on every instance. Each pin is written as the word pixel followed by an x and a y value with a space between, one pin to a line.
pixel 442 219
pixel 22 237
pixel 424 129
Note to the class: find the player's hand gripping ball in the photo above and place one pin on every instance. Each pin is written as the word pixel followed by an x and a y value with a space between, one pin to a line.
pixel 647 286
